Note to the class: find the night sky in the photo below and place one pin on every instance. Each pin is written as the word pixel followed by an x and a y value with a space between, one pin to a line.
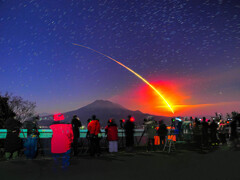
pixel 189 50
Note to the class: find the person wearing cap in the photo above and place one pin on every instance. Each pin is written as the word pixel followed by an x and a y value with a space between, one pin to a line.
pixel 112 135
pixel 129 133
pixel 76 124
pixel 94 130
pixel 61 141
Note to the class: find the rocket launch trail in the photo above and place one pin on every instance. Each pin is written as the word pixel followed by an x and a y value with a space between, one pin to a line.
pixel 136 74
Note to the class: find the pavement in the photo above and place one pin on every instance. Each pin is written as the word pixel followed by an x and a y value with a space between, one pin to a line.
pixel 222 163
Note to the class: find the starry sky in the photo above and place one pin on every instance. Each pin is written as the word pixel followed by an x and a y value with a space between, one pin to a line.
pixel 189 50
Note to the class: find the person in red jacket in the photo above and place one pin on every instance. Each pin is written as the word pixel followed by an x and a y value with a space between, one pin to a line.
pixel 61 141
pixel 94 130
pixel 112 135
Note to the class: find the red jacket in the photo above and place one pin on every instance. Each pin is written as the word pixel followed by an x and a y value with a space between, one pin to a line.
pixel 112 133
pixel 62 138
pixel 94 127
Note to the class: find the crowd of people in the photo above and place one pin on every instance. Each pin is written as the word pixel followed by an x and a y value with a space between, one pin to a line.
pixel 65 136
pixel 215 132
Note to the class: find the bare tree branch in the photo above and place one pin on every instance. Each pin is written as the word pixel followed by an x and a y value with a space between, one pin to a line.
pixel 23 108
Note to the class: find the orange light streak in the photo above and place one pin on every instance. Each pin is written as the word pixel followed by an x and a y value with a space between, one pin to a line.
pixel 136 74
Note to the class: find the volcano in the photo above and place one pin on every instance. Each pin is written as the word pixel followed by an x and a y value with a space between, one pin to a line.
pixel 104 110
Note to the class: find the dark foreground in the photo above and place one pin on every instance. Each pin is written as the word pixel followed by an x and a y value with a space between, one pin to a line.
pixel 221 164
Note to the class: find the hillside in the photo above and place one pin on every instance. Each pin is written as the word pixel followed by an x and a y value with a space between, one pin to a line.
pixel 104 110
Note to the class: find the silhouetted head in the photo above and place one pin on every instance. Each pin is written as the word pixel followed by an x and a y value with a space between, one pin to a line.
pixel 204 119
pixel 196 120
pixel 150 118
pixel 36 118
pixel 236 117
pixel 75 116
pixel 94 117
pixel 132 119
pixel 13 115
pixel 161 122
pixel 129 116
pixel 110 121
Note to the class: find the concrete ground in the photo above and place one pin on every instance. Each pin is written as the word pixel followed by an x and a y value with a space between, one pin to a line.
pixel 220 164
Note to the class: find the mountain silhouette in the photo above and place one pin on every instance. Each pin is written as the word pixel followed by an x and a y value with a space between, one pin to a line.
pixel 104 110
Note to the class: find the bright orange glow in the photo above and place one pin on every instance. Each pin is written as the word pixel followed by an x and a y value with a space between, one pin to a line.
pixel 185 95
pixel 145 97
pixel 198 106
pixel 136 74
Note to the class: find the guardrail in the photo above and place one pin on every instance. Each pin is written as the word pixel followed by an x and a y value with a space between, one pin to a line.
pixel 47 133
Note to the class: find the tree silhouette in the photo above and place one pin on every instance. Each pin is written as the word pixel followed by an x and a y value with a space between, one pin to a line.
pixel 10 104
pixel 5 111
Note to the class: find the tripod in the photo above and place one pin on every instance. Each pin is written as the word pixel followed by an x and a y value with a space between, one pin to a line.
pixel 122 132
pixel 122 138
pixel 85 143
pixel 141 137
pixel 169 143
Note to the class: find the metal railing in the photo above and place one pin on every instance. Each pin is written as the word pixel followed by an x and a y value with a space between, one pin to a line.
pixel 47 133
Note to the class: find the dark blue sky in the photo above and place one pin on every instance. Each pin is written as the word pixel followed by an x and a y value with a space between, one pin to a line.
pixel 168 40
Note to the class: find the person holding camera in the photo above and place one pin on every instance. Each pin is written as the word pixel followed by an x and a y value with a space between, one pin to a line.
pixel 162 132
pixel 129 133
pixel 76 124
pixel 150 129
